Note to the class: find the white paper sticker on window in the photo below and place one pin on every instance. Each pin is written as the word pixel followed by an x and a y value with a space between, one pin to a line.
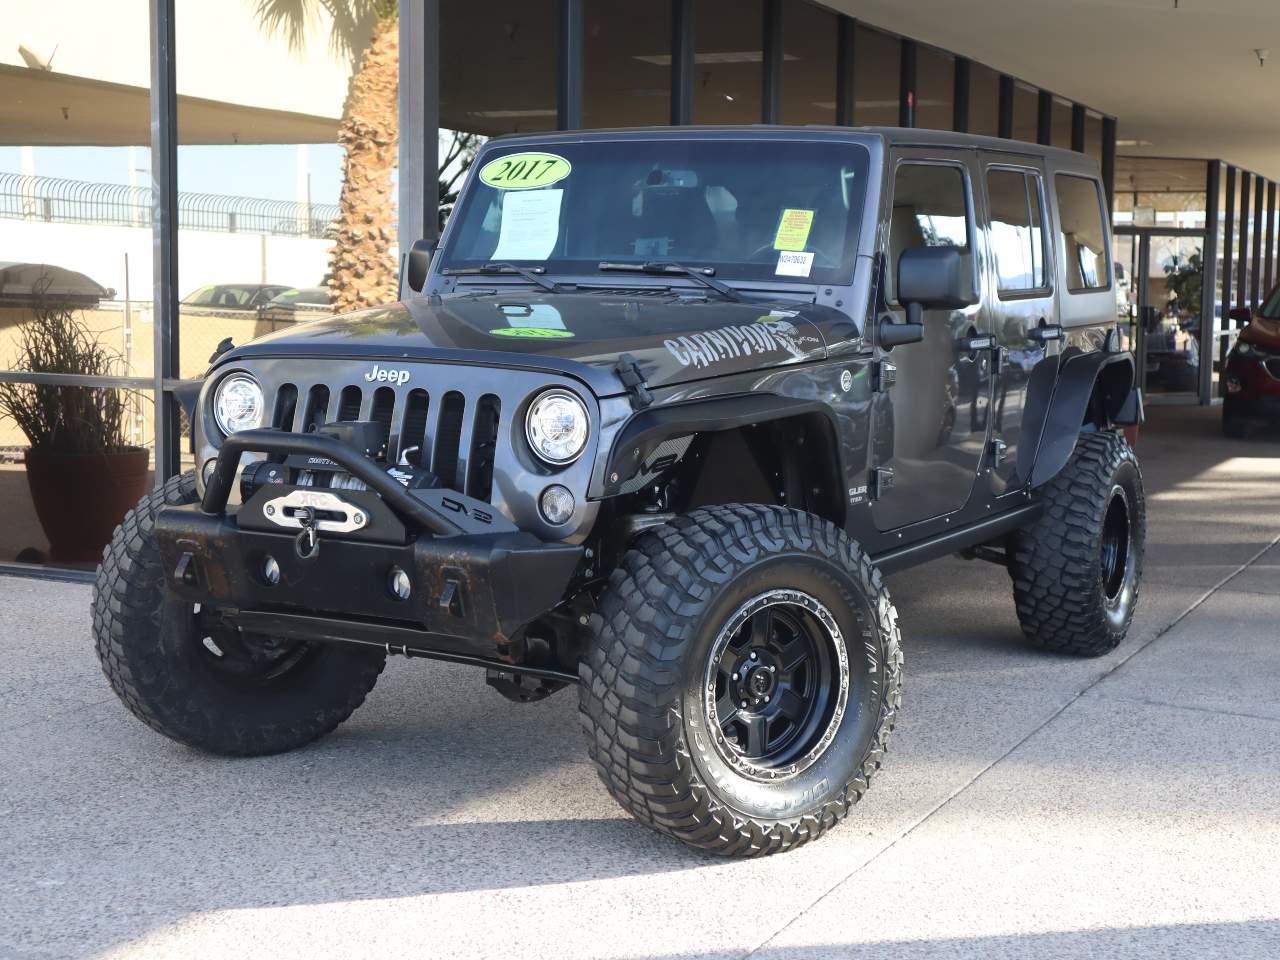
pixel 795 263
pixel 530 225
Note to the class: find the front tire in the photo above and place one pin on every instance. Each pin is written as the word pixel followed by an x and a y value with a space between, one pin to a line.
pixel 184 673
pixel 743 679
pixel 1076 570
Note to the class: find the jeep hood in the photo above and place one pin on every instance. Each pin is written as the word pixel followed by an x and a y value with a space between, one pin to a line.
pixel 675 340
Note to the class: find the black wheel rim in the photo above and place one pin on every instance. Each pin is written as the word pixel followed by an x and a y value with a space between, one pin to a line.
pixel 776 685
pixel 239 657
pixel 1116 535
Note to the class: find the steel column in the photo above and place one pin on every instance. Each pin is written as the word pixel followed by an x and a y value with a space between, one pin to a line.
pixel 1242 254
pixel 1228 239
pixel 419 178
pixel 1004 123
pixel 1109 160
pixel 907 84
pixel 1209 279
pixel 682 62
pixel 1078 120
pixel 569 66
pixel 1044 118
pixel 960 95
pixel 771 62
pixel 164 233
pixel 1269 276
pixel 1255 261
pixel 846 34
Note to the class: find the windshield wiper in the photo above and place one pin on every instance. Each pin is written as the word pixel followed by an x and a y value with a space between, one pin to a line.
pixel 704 275
pixel 503 267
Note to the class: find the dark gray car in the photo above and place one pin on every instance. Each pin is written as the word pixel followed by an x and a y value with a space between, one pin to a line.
pixel 653 420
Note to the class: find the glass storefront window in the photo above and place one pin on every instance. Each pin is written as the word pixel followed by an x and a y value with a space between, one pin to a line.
pixel 1026 112
pixel 876 78
pixel 808 63
pixel 498 65
pixel 1159 192
pixel 627 65
pixel 935 88
pixel 984 101
pixel 727 62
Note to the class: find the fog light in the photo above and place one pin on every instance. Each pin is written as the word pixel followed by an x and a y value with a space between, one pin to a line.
pixel 556 504
pixel 271 571
pixel 399 583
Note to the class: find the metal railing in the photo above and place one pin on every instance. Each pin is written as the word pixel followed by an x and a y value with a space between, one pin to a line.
pixel 55 200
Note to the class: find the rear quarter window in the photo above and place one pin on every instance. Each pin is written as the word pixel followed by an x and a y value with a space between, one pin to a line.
pixel 1082 231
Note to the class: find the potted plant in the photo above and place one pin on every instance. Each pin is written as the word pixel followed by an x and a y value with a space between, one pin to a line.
pixel 83 473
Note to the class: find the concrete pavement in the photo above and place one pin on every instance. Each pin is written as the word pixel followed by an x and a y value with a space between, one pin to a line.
pixel 1032 806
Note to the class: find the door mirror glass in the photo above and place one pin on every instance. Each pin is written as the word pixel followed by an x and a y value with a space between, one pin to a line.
pixel 419 264
pixel 1241 315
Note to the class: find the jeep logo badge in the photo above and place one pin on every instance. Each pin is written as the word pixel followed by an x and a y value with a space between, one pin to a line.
pixel 380 375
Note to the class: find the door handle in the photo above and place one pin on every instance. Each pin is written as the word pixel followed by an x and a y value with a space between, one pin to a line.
pixel 1045 332
pixel 974 344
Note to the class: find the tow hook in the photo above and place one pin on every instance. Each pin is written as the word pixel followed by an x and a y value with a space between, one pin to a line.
pixel 307 544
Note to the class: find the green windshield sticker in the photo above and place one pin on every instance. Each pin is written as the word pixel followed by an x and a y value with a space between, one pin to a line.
pixel 531 333
pixel 524 171
pixel 793 230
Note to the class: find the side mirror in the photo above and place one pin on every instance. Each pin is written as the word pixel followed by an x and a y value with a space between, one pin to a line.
pixel 929 278
pixel 418 264
pixel 1241 315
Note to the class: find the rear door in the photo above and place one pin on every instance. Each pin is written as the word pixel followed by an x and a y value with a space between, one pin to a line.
pixel 940 397
pixel 1021 295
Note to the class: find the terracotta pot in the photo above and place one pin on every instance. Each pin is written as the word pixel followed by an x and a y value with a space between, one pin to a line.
pixel 81 497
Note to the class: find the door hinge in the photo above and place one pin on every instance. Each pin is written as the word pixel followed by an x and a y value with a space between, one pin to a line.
pixel 881 482
pixel 997 450
pixel 628 371
pixel 886 374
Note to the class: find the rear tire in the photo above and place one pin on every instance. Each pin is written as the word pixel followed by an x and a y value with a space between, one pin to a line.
pixel 744 676
pixel 202 683
pixel 1076 571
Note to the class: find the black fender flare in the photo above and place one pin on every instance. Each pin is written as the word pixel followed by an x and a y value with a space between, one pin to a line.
pixel 648 429
pixel 187 393
pixel 1057 407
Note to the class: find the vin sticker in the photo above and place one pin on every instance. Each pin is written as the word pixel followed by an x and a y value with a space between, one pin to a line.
pixel 794 263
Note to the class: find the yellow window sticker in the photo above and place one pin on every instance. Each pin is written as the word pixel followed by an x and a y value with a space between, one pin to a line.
pixel 524 171
pixel 793 230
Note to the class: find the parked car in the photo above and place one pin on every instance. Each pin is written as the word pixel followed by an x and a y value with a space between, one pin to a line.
pixel 231 296
pixel 1253 371
pixel 654 422
pixel 294 304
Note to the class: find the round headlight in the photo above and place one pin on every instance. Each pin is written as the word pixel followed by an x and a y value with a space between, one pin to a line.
pixel 237 404
pixel 557 427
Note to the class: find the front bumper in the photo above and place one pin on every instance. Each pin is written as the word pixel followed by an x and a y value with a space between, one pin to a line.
pixel 472 590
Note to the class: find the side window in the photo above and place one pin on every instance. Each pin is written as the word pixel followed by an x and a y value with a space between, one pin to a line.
pixel 930 209
pixel 1080 226
pixel 1017 237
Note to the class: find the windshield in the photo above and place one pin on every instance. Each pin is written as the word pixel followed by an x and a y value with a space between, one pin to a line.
pixel 749 209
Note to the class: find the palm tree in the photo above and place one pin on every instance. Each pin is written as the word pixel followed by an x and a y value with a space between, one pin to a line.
pixel 362 271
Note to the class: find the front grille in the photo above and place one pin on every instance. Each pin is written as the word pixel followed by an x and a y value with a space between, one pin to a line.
pixel 454 436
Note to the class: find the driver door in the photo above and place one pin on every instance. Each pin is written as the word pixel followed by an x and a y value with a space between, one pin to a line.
pixel 939 401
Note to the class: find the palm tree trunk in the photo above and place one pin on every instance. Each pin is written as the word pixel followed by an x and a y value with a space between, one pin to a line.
pixel 362 270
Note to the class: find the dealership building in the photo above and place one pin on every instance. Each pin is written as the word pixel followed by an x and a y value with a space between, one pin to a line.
pixel 170 170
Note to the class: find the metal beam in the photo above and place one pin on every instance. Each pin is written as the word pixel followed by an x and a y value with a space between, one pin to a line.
pixel 1209 279
pixel 961 85
pixel 771 62
pixel 1004 123
pixel 682 62
pixel 1255 260
pixel 569 59
pixel 1044 118
pixel 1228 235
pixel 846 51
pixel 1269 276
pixel 1078 119
pixel 1109 160
pixel 419 177
pixel 1242 250
pixel 164 233
pixel 907 84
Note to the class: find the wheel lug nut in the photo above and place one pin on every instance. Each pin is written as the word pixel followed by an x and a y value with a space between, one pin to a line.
pixel 743 704
pixel 736 677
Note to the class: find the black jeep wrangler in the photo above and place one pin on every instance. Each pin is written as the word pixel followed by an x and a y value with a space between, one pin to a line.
pixel 654 419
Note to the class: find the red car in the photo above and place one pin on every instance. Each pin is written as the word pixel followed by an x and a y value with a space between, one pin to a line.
pixel 1253 372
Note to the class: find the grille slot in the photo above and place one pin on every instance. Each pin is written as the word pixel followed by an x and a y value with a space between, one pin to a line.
pixel 317 412
pixel 484 442
pixel 414 432
pixel 384 404
pixel 286 407
pixel 444 464
pixel 349 404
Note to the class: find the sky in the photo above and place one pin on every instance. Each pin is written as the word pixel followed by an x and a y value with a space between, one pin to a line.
pixel 267 171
